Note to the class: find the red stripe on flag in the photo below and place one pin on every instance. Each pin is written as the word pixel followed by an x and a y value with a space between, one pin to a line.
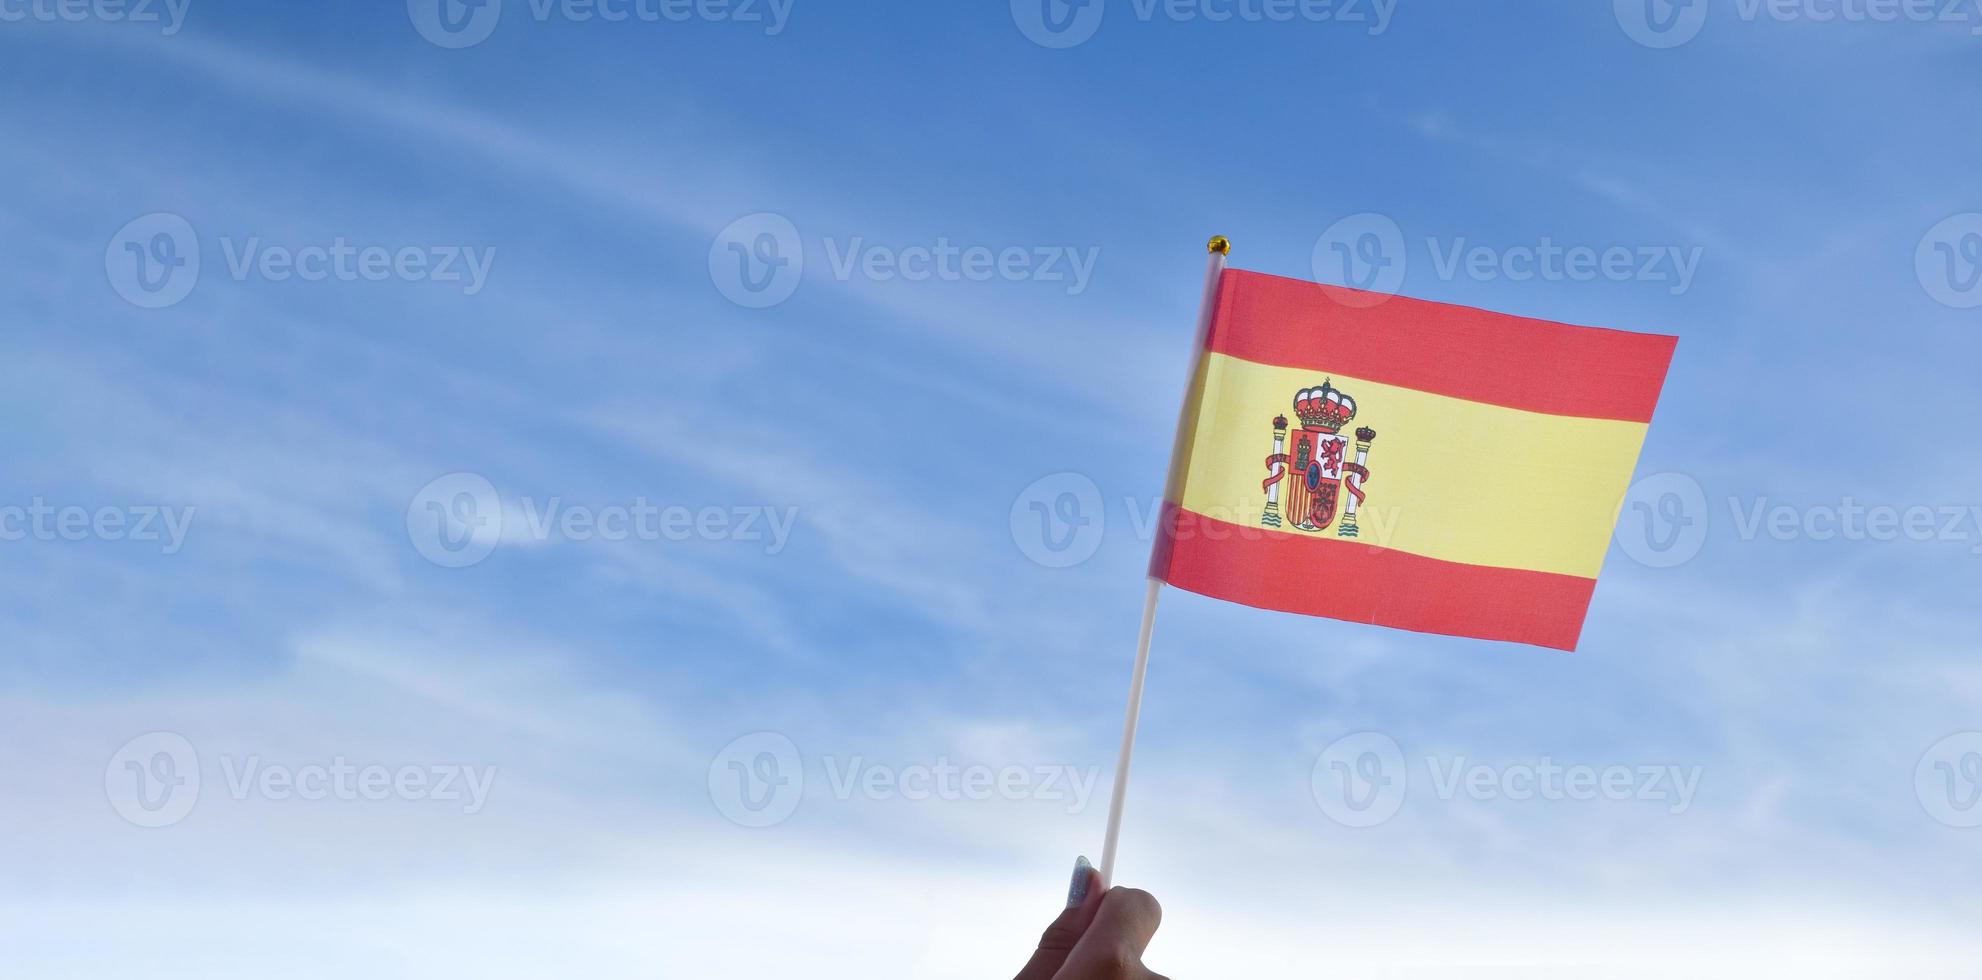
pixel 1344 579
pixel 1458 351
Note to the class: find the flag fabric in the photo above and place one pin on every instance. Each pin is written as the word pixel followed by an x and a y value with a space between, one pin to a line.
pixel 1404 463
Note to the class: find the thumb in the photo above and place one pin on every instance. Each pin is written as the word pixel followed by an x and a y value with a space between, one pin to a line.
pixel 1083 901
pixel 1121 931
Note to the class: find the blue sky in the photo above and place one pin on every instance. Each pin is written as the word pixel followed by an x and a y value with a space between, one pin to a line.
pixel 1815 174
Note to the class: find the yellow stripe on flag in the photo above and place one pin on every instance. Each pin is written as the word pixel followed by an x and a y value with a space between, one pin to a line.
pixel 1450 479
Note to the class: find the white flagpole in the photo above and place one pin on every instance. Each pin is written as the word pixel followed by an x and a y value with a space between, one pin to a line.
pixel 1219 246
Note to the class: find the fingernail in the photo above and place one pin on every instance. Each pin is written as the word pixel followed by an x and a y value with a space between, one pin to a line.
pixel 1077 891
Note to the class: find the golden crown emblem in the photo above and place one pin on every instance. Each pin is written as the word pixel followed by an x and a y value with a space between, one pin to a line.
pixel 1325 408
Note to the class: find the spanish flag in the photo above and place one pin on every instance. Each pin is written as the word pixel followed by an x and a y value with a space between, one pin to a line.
pixel 1403 463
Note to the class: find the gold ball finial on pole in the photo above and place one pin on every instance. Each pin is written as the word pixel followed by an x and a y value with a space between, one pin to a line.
pixel 1220 244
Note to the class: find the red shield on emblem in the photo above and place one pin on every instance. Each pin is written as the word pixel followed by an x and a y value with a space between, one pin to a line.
pixel 1316 490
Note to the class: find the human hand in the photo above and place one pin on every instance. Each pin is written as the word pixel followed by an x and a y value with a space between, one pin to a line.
pixel 1100 936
